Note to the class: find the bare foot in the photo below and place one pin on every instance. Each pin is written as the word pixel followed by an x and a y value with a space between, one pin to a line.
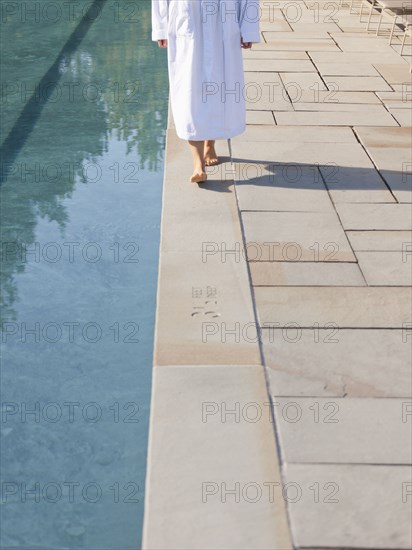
pixel 198 176
pixel 210 156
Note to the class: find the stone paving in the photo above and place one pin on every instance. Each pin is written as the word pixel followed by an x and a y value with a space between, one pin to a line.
pixel 300 438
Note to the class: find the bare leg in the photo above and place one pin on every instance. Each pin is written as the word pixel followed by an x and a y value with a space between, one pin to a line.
pixel 211 157
pixel 199 174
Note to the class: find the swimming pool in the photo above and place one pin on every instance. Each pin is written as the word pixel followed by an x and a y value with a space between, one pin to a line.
pixel 84 115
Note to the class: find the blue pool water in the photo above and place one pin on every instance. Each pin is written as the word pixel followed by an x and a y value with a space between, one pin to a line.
pixel 84 110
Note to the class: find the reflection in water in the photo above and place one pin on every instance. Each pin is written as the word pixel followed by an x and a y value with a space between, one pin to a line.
pixel 81 206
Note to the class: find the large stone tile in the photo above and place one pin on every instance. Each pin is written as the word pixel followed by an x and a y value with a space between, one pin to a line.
pixel 338 362
pixel 336 107
pixel 295 236
pixel 344 430
pixel 375 216
pixel 395 166
pixel 268 53
pixel 194 456
pixel 350 506
pixel 183 200
pixel 357 83
pixel 403 116
pixel 386 268
pixel 347 170
pixel 349 42
pixel 311 44
pixel 345 307
pixel 396 100
pixel 293 134
pixel 288 187
pixel 332 97
pixel 330 119
pixel 302 81
pixel 305 273
pixel 392 241
pixel 384 137
pixel 278 65
pixel 199 301
pixel 265 91
pixel 327 68
pixel 357 56
pixel 394 74
pixel 260 117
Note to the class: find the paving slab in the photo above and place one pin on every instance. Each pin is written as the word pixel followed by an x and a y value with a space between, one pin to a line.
pixel 265 91
pixel 278 65
pixel 386 268
pixel 370 511
pixel 346 168
pixel 260 117
pixel 355 57
pixel 295 236
pixel 268 53
pixel 357 83
pixel 397 100
pixel 394 73
pixel 214 293
pixel 308 44
pixel 303 81
pixel 391 241
pixel 346 69
pixel 336 96
pixel 338 362
pixel 347 118
pixel 189 468
pixel 344 430
pixel 301 135
pixel 315 273
pixel 351 42
pixel 402 116
pixel 344 307
pixel 375 216
pixel 277 187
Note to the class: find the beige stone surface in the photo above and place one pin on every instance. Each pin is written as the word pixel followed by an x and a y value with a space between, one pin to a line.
pixel 338 362
pixel 375 216
pixel 278 65
pixel 344 430
pixel 394 73
pixel 346 307
pixel 369 513
pixel 277 187
pixel 305 273
pixel 190 447
pixel 336 96
pixel 293 135
pixel 303 81
pixel 268 53
pixel 327 68
pixel 295 236
pixel 387 268
pixel 351 42
pixel 392 241
pixel 398 138
pixel 350 118
pixel 402 116
pixel 260 117
pixel 357 83
pixel 265 91
pixel 354 57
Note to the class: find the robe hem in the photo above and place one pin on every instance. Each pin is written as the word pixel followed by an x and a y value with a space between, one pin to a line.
pixel 201 137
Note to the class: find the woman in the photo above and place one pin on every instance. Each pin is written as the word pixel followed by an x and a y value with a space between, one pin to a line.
pixel 204 40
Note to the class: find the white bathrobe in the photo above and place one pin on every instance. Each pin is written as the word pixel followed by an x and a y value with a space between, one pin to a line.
pixel 205 63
